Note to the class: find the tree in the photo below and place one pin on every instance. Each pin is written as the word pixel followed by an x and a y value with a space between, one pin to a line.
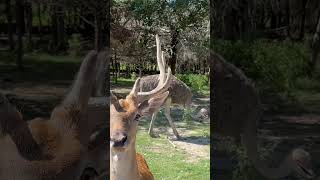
pixel 10 27
pixel 171 17
pixel 59 42
pixel 29 18
pixel 315 47
pixel 19 29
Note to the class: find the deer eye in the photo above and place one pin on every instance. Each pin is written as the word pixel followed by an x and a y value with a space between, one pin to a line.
pixel 138 116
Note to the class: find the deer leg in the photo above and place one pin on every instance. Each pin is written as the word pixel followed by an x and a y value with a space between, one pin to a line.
pixel 150 132
pixel 167 105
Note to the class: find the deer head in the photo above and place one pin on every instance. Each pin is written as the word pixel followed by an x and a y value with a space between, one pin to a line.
pixel 125 113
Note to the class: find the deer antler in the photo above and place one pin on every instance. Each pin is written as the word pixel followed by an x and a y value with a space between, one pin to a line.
pixel 82 87
pixel 100 83
pixel 160 60
pixel 162 87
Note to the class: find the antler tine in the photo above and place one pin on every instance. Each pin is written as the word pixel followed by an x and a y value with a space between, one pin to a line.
pixel 84 82
pixel 158 90
pixel 135 88
pixel 100 83
pixel 160 60
pixel 162 77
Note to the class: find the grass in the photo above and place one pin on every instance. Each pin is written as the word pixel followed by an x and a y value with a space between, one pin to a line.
pixel 39 67
pixel 123 82
pixel 166 162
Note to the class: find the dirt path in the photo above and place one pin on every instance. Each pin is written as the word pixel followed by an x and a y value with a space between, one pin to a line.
pixel 35 99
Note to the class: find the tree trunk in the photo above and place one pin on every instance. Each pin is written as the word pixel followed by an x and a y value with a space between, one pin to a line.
pixel 115 68
pixel 230 24
pixel 62 46
pixel 174 43
pixel 98 33
pixel 315 47
pixel 58 31
pixel 28 16
pixel 216 18
pixel 10 27
pixel 19 28
pixel 107 33
pixel 53 45
pixel 100 20
pixel 287 18
pixel 39 19
pixel 273 21
pixel 303 19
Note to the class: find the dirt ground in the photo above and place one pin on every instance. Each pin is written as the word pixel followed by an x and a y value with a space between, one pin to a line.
pixel 278 134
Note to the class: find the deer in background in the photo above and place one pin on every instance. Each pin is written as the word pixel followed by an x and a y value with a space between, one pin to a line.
pixel 237 109
pixel 54 148
pixel 125 163
pixel 179 92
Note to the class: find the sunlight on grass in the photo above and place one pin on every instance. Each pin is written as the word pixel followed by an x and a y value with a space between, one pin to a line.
pixel 42 57
pixel 122 81
pixel 167 163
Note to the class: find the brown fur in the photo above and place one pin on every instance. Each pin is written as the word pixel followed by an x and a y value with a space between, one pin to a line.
pixel 123 121
pixel 58 150
pixel 143 168
pixel 64 148
pixel 179 92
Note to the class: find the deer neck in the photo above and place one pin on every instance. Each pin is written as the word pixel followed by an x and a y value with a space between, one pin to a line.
pixel 123 165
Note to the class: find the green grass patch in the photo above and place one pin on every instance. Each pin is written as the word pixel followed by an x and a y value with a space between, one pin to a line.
pixel 39 67
pixel 167 163
pixel 122 81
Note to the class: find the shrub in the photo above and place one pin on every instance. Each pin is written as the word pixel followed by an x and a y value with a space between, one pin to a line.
pixel 274 66
pixel 133 75
pixel 75 44
pixel 244 169
pixel 197 82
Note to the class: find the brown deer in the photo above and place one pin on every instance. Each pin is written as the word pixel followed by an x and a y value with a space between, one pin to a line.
pixel 179 92
pixel 237 110
pixel 125 163
pixel 54 148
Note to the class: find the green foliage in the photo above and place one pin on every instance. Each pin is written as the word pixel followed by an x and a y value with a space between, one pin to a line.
pixel 133 75
pixel 274 66
pixel 244 169
pixel 74 44
pixel 187 115
pixel 179 14
pixel 305 83
pixel 197 82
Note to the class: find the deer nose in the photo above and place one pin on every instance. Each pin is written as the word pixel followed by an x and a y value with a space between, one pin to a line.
pixel 118 139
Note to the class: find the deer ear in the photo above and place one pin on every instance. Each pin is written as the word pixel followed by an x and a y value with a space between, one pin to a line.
pixel 147 108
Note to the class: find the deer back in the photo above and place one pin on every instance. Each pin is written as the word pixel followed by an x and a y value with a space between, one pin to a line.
pixel 179 92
